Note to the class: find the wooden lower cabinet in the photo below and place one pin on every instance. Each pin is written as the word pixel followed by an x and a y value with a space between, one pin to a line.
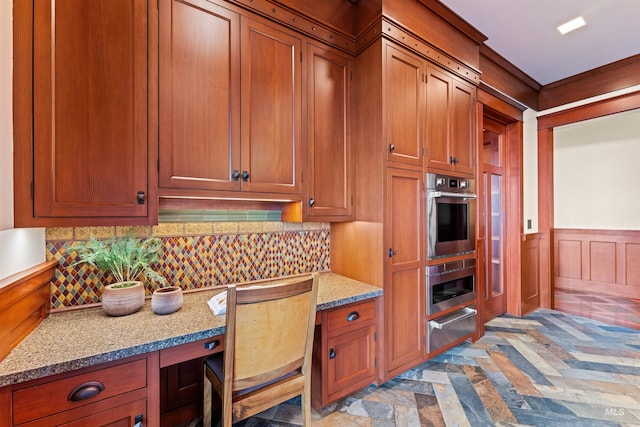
pixel 112 394
pixel 344 356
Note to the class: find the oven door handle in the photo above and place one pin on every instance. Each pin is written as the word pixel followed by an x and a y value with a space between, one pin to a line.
pixel 468 312
pixel 437 194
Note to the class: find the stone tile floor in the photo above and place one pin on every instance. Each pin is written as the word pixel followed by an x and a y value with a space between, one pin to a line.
pixel 545 369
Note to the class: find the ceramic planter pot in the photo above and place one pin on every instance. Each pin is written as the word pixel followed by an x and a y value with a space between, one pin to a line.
pixel 122 298
pixel 167 300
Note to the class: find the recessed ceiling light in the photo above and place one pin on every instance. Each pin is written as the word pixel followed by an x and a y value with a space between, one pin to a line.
pixel 572 25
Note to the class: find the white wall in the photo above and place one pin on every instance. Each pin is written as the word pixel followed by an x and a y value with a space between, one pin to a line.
pixel 530 171
pixel 19 248
pixel 6 128
pixel 597 173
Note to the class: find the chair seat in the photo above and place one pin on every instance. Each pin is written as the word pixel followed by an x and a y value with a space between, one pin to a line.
pixel 216 362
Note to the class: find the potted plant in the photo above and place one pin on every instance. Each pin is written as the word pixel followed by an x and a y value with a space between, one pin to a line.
pixel 127 259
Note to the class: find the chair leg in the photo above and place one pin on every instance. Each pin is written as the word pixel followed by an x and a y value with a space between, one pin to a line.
pixel 306 409
pixel 206 404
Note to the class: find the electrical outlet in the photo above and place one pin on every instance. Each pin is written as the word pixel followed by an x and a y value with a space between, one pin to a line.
pixel 528 224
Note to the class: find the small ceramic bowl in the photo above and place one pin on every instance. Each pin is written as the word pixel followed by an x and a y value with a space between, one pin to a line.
pixel 167 300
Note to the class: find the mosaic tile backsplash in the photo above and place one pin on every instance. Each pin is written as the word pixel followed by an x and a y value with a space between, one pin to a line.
pixel 195 256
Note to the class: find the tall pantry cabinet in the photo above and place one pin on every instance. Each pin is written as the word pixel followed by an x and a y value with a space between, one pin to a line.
pixel 384 246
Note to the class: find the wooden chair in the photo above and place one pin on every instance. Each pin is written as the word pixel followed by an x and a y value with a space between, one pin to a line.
pixel 268 351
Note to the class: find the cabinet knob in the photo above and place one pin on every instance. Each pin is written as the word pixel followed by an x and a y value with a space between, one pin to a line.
pixel 391 252
pixel 245 176
pixel 311 202
pixel 235 175
pixel 85 391
pixel 391 147
pixel 140 197
pixel 332 353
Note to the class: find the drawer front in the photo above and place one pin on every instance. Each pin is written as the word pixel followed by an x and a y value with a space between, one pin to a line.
pixel 193 350
pixel 61 395
pixel 452 327
pixel 352 315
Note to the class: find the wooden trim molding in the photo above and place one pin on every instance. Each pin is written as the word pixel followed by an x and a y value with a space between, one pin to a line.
pixel 501 75
pixel 608 78
pixel 499 108
pixel 545 177
pixel 598 261
pixel 454 19
pixel 605 107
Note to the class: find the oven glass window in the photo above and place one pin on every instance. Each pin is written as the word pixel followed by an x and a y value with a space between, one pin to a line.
pixel 452 222
pixel 454 288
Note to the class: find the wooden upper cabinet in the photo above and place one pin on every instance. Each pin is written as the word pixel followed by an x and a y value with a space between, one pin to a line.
pixel 271 108
pixel 230 118
pixel 463 126
pixel 404 90
pixel 199 96
pixel 329 162
pixel 89 111
pixel 450 122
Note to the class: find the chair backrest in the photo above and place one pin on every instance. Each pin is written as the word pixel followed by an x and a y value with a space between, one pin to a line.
pixel 269 331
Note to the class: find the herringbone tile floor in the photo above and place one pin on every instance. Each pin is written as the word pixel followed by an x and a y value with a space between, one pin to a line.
pixel 546 369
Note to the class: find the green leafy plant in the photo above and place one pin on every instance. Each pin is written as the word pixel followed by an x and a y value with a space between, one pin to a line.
pixel 126 258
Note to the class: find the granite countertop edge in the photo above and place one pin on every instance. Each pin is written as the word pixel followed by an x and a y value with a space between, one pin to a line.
pixel 18 370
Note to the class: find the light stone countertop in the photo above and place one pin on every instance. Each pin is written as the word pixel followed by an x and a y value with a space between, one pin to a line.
pixel 76 339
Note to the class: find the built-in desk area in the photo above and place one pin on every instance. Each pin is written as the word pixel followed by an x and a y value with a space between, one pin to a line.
pixel 126 354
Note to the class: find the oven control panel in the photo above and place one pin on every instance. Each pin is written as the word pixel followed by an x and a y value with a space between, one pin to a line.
pixel 449 183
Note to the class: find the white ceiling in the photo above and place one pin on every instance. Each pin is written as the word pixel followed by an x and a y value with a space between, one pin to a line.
pixel 524 32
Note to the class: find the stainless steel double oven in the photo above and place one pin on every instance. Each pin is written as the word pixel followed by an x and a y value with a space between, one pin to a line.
pixel 451 285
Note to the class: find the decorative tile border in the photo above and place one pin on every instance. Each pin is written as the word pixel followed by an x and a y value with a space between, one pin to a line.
pixel 193 256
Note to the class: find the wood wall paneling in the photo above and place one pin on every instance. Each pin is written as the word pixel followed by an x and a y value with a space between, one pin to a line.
pixel 608 78
pixel 570 251
pixel 530 260
pixel 598 261
pixel 632 271
pixel 601 262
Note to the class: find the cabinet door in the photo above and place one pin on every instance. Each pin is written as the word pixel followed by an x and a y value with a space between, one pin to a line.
pixel 404 293
pixel 463 129
pixel 271 108
pixel 90 108
pixel 351 364
pixel 450 122
pixel 438 127
pixel 329 184
pixel 404 90
pixel 199 96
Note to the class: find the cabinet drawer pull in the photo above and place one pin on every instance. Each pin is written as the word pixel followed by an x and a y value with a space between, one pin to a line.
pixel 85 391
pixel 354 315
pixel 211 344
